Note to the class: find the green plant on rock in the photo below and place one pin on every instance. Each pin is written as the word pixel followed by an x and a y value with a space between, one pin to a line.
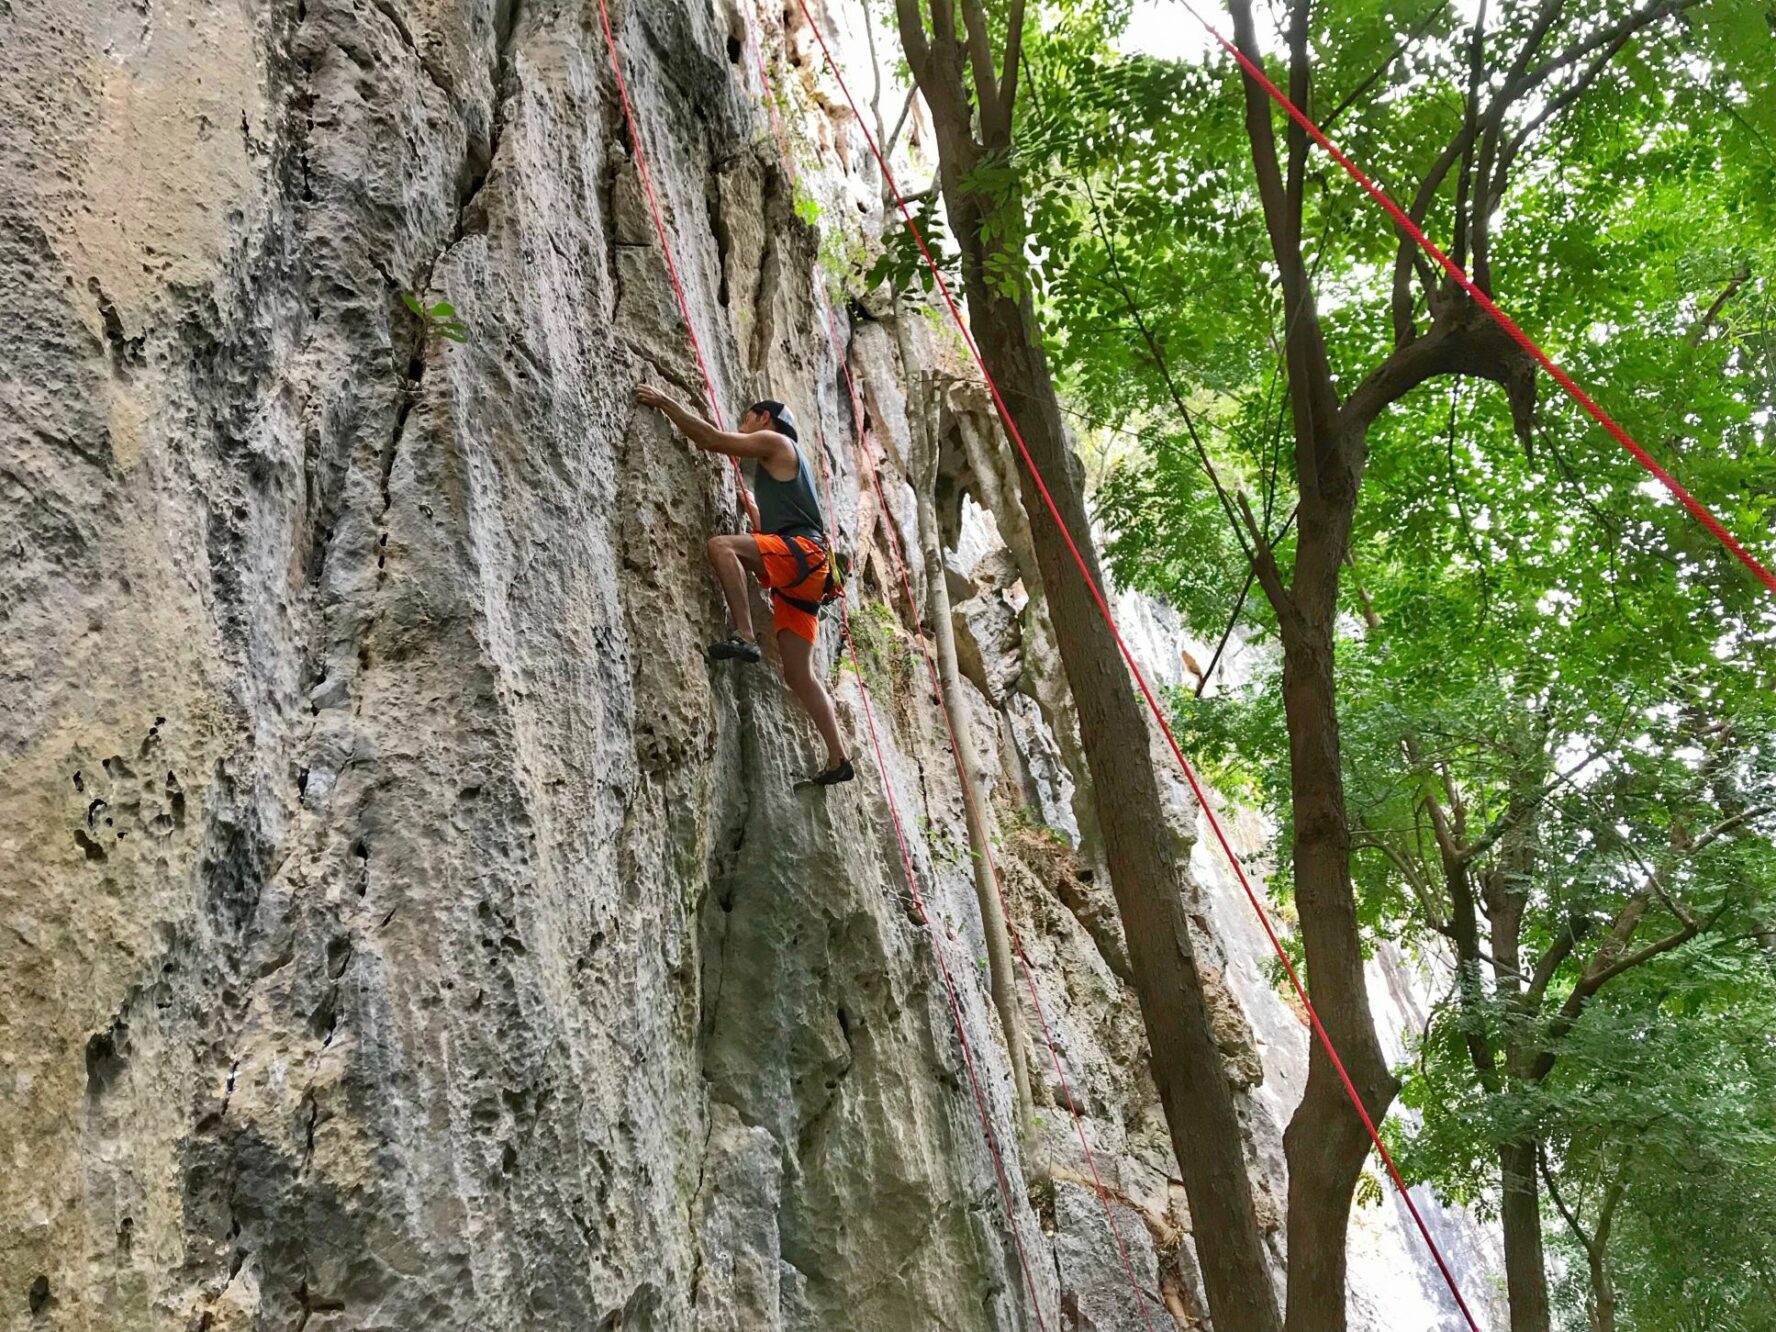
pixel 440 319
pixel 807 207
pixel 1028 819
pixel 944 847
pixel 879 646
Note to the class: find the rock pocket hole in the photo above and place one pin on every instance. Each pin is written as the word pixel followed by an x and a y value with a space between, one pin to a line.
pixel 105 1060
pixel 39 1297
pixel 325 1018
pixel 733 49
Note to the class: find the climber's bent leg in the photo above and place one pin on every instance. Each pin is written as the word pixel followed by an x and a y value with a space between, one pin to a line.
pixel 798 670
pixel 731 557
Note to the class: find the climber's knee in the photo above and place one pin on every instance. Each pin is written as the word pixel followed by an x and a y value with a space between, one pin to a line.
pixel 743 548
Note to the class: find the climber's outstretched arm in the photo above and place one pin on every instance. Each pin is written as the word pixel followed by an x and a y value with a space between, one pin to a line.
pixel 766 445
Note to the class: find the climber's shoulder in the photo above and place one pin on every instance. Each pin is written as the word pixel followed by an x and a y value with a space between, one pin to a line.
pixel 778 454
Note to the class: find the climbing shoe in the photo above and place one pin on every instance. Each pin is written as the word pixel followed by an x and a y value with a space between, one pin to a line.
pixel 734 648
pixel 843 772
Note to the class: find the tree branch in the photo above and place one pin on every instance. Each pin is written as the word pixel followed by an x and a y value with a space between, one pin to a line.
pixel 1120 284
pixel 1300 76
pixel 1462 342
pixel 1496 161
pixel 1713 312
pixel 1572 1222
pixel 1408 256
pixel 1470 123
pixel 1264 563
pixel 1014 53
pixel 1546 969
pixel 1601 972
pixel 1372 840
pixel 1606 1215
pixel 1614 35
pixel 1730 824
pixel 1435 12
pixel 1516 812
pixel 1310 371
pixel 1495 190
pixel 888 141
pixel 1239 607
pixel 912 38
pixel 1491 131
pixel 986 78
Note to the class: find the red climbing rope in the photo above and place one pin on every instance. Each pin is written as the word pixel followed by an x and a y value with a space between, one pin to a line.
pixel 943 966
pixel 955 1007
pixel 1097 595
pixel 894 547
pixel 653 203
pixel 1697 509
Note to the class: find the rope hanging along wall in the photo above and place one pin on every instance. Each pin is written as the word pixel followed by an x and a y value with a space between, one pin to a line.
pixel 897 554
pixel 954 1002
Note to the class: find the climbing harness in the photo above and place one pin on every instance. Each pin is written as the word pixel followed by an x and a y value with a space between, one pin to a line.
pixel 950 991
pixel 821 559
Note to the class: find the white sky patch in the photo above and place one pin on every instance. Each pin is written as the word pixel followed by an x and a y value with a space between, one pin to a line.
pixel 1165 29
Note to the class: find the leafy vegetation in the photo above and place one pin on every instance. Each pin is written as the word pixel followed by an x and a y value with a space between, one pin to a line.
pixel 439 320
pixel 1555 720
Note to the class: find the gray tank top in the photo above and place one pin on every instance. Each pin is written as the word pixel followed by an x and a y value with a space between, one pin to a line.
pixel 788 508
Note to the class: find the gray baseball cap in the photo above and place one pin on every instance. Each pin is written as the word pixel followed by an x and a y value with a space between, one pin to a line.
pixel 781 416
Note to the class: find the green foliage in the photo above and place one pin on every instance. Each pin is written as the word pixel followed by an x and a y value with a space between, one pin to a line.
pixel 807 207
pixel 1024 818
pixel 902 264
pixel 1532 638
pixel 945 849
pixel 438 320
pixel 882 650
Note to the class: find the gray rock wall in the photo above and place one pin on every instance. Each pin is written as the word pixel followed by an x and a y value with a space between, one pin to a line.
pixel 401 925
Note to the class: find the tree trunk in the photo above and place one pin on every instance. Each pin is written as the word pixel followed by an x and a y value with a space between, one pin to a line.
pixel 1603 1290
pixel 1325 1144
pixel 1043 676
pixel 1145 877
pixel 1193 1087
pixel 1526 1276
pixel 1526 1279
pixel 986 889
pixel 1603 1296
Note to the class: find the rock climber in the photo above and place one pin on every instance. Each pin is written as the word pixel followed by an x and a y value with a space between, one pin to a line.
pixel 786 551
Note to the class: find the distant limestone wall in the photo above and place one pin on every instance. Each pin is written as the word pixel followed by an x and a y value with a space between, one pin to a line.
pixel 402 926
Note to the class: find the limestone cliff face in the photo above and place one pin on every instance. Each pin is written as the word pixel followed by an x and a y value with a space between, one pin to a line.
pixel 401 925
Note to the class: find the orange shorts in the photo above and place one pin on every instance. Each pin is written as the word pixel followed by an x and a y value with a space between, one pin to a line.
pixel 780 576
